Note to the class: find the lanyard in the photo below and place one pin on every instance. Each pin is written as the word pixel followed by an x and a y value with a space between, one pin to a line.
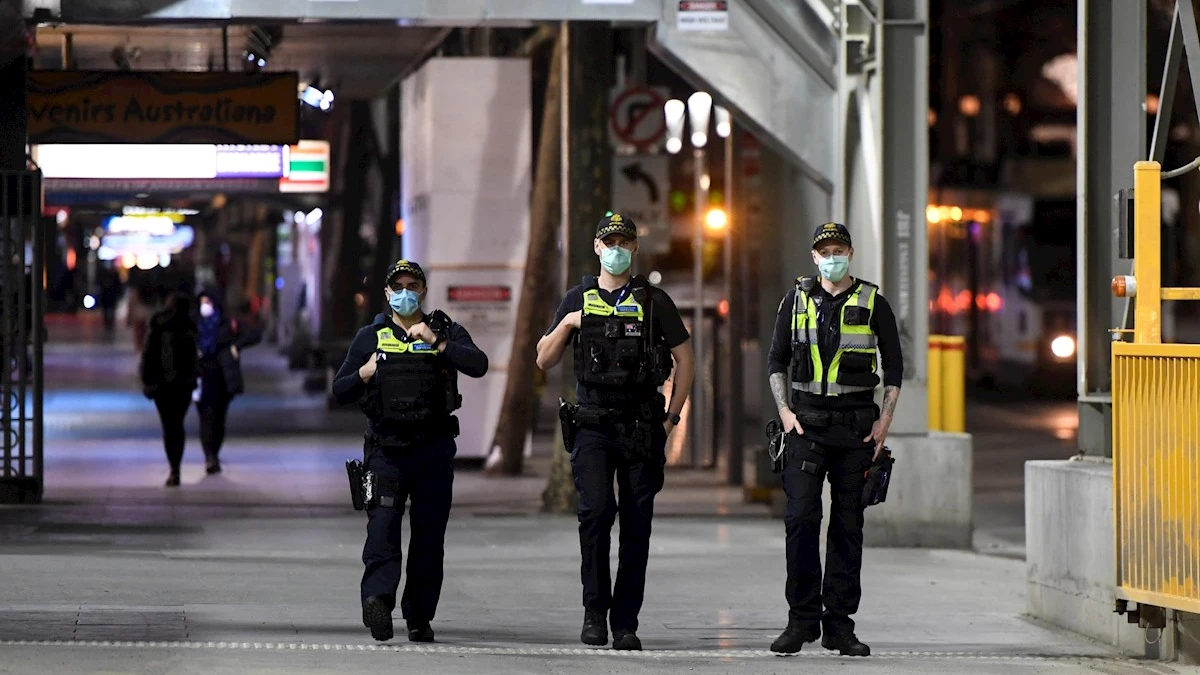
pixel 623 293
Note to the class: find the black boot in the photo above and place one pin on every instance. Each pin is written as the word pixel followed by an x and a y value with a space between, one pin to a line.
pixel 846 644
pixel 626 640
pixel 595 629
pixel 420 631
pixel 377 616
pixel 173 478
pixel 793 638
pixel 212 465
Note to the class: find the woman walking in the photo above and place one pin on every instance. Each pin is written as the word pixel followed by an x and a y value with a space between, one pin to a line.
pixel 169 371
pixel 221 340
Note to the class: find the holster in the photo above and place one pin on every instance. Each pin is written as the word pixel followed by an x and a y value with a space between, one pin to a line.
pixel 567 416
pixel 364 485
pixel 775 446
pixel 878 477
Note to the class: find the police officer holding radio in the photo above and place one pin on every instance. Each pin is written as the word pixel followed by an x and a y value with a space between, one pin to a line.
pixel 625 333
pixel 403 371
pixel 826 336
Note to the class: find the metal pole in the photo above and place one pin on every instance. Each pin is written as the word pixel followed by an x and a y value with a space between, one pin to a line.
pixel 68 51
pixel 698 388
pixel 735 405
pixel 225 46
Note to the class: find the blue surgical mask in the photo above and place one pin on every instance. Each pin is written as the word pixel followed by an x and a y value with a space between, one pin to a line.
pixel 834 267
pixel 405 302
pixel 615 259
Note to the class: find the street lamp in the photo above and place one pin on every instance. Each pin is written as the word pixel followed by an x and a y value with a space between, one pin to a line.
pixel 699 110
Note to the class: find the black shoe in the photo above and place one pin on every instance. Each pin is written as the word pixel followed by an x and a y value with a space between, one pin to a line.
pixel 845 643
pixel 378 617
pixel 212 465
pixel 626 640
pixel 595 629
pixel 420 631
pixel 792 639
pixel 172 479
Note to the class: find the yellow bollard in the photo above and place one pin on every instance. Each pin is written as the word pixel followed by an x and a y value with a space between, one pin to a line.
pixel 954 388
pixel 935 382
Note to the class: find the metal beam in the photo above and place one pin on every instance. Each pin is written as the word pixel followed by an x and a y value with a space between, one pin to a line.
pixel 1166 92
pixel 410 12
pixel 905 161
pixel 1112 132
pixel 773 90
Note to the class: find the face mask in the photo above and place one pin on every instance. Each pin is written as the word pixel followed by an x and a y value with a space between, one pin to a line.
pixel 405 302
pixel 834 267
pixel 615 260
pixel 207 311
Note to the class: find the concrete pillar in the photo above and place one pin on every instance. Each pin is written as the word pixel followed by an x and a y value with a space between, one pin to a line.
pixel 466 180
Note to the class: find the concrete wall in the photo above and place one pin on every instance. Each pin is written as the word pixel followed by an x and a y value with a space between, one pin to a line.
pixel 1070 550
pixel 930 497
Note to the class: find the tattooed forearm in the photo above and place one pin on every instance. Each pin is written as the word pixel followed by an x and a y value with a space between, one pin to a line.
pixel 779 389
pixel 890 396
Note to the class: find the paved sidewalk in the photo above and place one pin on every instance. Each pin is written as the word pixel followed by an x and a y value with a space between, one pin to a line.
pixel 257 570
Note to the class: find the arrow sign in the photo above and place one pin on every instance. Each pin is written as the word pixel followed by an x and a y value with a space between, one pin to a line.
pixel 635 174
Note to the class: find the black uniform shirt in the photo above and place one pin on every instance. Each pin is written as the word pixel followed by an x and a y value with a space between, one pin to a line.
pixel 668 329
pixel 883 324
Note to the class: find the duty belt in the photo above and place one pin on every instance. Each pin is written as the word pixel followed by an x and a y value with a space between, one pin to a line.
pixel 828 418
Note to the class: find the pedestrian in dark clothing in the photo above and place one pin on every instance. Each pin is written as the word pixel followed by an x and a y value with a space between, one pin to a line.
pixel 221 340
pixel 168 370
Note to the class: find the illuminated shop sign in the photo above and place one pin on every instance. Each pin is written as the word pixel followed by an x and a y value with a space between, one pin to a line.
pixel 163 161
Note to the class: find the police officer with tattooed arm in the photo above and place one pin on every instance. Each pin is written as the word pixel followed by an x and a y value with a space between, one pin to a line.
pixel 625 333
pixel 826 336
pixel 403 369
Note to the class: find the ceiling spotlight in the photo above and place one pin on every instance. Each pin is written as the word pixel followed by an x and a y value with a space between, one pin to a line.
pixel 260 41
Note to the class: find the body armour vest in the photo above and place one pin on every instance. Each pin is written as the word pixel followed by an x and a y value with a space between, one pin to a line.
pixel 415 384
pixel 616 347
pixel 854 367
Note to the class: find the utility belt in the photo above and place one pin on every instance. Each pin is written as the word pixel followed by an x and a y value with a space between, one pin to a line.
pixel 403 435
pixel 636 426
pixel 857 418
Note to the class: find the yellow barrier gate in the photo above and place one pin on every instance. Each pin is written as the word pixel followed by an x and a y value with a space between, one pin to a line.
pixel 1156 430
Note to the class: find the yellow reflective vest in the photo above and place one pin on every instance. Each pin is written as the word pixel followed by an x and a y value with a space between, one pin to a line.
pixel 855 364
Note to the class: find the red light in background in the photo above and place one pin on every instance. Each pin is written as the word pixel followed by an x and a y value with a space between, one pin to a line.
pixel 71 259
pixel 723 308
pixel 963 301
pixel 995 303
pixel 981 302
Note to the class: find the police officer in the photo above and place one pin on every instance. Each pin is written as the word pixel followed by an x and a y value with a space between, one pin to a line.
pixel 625 333
pixel 403 371
pixel 826 336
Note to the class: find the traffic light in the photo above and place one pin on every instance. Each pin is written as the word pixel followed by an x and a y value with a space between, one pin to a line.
pixel 716 220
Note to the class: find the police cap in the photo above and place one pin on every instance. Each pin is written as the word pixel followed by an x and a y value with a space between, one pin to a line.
pixel 405 267
pixel 615 223
pixel 834 231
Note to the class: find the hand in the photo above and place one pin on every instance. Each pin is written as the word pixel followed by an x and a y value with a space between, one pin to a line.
pixel 234 350
pixel 574 319
pixel 668 426
pixel 367 371
pixel 879 432
pixel 422 332
pixel 790 423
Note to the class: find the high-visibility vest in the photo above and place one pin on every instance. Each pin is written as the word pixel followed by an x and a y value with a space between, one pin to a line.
pixel 855 364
